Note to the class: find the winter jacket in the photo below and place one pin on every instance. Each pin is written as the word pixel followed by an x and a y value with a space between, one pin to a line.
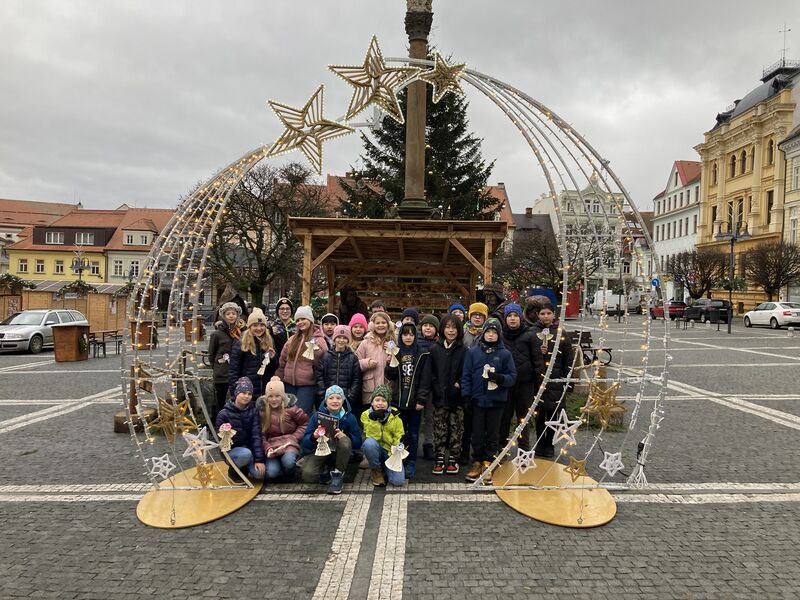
pixel 247 364
pixel 407 394
pixel 220 345
pixel 371 377
pixel 342 369
pixel 388 433
pixel 472 334
pixel 447 365
pixel 562 361
pixel 347 424
pixel 294 428
pixel 247 425
pixel 474 386
pixel 346 311
pixel 297 370
pixel 519 342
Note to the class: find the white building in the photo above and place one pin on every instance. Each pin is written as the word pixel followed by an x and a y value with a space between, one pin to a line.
pixel 130 244
pixel 790 146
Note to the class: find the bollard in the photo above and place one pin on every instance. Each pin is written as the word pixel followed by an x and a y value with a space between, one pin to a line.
pixel 790 331
pixel 708 324
pixel 691 323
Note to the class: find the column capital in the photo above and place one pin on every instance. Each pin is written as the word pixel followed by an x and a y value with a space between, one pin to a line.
pixel 418 25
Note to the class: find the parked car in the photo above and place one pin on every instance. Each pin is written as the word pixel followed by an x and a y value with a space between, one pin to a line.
pixel 774 314
pixel 675 309
pixel 703 309
pixel 32 329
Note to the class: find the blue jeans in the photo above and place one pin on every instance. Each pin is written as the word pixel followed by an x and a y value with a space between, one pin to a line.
pixel 243 457
pixel 376 455
pixel 282 465
pixel 306 396
pixel 411 422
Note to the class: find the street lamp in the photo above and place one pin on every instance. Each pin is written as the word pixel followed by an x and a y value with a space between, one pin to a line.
pixel 732 236
pixel 79 265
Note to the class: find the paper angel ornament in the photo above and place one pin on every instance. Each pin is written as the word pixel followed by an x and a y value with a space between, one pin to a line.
pixel 265 363
pixel 226 433
pixel 322 443
pixel 545 336
pixel 392 350
pixel 486 370
pixel 311 347
pixel 395 461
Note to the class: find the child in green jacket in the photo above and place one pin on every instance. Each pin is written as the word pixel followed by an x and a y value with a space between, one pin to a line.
pixel 383 428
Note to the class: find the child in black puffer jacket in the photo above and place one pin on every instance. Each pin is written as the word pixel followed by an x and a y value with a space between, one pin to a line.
pixel 339 366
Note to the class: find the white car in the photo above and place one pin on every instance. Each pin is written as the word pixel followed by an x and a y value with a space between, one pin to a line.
pixel 774 314
pixel 32 330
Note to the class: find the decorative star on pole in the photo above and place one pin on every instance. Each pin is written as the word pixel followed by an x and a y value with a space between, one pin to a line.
pixel 306 129
pixel 444 78
pixel 564 428
pixel 162 466
pixel 172 418
pixel 612 463
pixel 524 460
pixel 198 445
pixel 576 468
pixel 375 83
pixel 602 403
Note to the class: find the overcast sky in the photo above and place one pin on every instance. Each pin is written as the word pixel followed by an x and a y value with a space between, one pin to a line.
pixel 106 102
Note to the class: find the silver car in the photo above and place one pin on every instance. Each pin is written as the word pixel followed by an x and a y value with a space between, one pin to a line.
pixel 32 329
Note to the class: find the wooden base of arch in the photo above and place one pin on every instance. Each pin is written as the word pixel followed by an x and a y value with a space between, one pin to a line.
pixel 195 506
pixel 565 507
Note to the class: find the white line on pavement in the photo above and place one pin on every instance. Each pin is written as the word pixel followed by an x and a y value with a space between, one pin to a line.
pixel 386 581
pixel 67 371
pixel 26 365
pixel 53 411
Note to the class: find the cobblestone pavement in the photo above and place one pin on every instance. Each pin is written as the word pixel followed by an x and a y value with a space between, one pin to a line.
pixel 719 519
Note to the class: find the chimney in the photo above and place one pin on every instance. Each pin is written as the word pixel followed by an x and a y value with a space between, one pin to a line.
pixel 501 184
pixel 529 212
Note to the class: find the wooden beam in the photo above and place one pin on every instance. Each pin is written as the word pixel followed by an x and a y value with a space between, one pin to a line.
pixel 330 271
pixel 468 255
pixel 487 261
pixel 462 272
pixel 318 261
pixel 307 243
pixel 460 286
pixel 356 249
pixel 445 251
pixel 390 233
pixel 473 287
pixel 401 249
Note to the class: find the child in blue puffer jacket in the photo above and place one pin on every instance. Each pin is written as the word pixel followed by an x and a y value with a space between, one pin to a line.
pixel 246 452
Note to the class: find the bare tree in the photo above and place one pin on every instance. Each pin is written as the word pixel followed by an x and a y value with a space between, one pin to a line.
pixel 253 245
pixel 699 270
pixel 772 266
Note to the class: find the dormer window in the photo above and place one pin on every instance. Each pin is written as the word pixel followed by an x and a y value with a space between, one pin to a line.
pixel 84 239
pixel 129 239
pixel 54 237
pixel 144 241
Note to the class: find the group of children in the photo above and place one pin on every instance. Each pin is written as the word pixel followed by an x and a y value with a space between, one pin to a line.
pixel 329 393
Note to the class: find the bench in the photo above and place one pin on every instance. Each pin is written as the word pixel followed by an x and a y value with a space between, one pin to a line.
pixel 583 341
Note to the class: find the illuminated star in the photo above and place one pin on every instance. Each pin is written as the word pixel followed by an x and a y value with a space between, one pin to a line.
pixel 602 403
pixel 576 468
pixel 444 78
pixel 204 474
pixel 172 418
pixel 612 463
pixel 306 129
pixel 564 428
pixel 375 83
pixel 198 445
pixel 524 460
pixel 162 466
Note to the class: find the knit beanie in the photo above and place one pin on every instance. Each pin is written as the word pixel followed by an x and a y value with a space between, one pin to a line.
pixel 230 306
pixel 411 312
pixel 327 317
pixel 478 307
pixel 515 308
pixel 281 302
pixel 359 319
pixel 243 385
pixel 304 312
pixel 275 386
pixel 257 316
pixel 430 320
pixel 342 331
pixel 384 391
pixel 493 324
pixel 456 306
pixel 334 389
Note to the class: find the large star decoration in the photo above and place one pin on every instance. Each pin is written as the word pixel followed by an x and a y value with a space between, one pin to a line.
pixel 172 418
pixel 576 468
pixel 444 78
pixel 306 129
pixel 612 463
pixel 162 466
pixel 564 428
pixel 524 460
pixel 375 83
pixel 198 445
pixel 602 403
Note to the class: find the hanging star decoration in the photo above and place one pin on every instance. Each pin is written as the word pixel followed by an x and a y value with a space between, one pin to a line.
pixel 162 466
pixel 204 474
pixel 612 463
pixel 444 78
pixel 172 418
pixel 375 83
pixel 603 403
pixel 576 468
pixel 524 460
pixel 226 434
pixel 306 129
pixel 564 428
pixel 198 445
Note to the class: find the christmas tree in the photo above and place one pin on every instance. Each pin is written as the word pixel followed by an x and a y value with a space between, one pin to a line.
pixel 455 172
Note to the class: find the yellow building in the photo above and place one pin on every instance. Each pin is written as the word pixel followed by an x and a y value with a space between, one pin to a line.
pixel 743 171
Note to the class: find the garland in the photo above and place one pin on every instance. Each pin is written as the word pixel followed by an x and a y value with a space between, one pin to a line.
pixel 77 287
pixel 11 281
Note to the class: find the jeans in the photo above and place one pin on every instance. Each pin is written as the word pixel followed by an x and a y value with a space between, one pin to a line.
pixel 282 465
pixel 376 455
pixel 306 396
pixel 485 432
pixel 243 457
pixel 411 422
pixel 313 464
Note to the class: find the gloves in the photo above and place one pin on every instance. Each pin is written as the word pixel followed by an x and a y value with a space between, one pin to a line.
pixel 498 378
pixel 377 415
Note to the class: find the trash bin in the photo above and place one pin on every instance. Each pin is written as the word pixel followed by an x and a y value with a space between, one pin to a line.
pixel 70 342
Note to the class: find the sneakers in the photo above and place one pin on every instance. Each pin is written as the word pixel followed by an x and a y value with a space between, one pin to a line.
pixel 438 468
pixel 364 464
pixel 487 478
pixel 411 470
pixel 452 466
pixel 325 478
pixel 337 482
pixel 427 452
pixel 474 472
pixel 378 479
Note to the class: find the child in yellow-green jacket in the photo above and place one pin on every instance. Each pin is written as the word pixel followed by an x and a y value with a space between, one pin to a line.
pixel 383 429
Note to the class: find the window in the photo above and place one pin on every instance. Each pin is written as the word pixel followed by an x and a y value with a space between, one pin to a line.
pixel 54 237
pixel 796 175
pixel 733 165
pixel 770 200
pixel 662 232
pixel 65 316
pixel 743 161
pixel 52 319
pixel 686 227
pixel 669 230
pixel 59 270
pixel 118 271
pixel 22 266
pixel 714 174
pixel 626 267
pixel 134 268
pixel 39 265
pixel 697 194
pixel 656 232
pixel 596 206
pixel 793 225
pixel 680 228
pixel 771 152
pixel 681 204
pixel 143 240
pixel 694 230
pixel 95 267
pixel 676 178
pixel 713 216
pixel 739 213
pixel 129 239
pixel 84 239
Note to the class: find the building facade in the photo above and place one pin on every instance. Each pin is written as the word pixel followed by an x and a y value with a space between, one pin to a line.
pixel 790 147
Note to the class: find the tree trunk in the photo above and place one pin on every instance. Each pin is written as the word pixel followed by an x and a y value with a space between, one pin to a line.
pixel 256 294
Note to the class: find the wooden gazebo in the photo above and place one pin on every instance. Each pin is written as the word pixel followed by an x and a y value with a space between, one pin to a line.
pixel 427 264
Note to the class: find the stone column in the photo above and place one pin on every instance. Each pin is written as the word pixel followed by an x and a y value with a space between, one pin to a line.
pixel 419 18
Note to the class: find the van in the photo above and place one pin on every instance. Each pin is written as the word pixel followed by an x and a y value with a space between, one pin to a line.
pixel 633 302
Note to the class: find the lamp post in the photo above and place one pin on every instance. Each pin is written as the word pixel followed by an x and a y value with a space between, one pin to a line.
pixel 733 236
pixel 79 265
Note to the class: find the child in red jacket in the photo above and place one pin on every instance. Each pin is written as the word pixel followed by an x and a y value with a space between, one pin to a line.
pixel 283 425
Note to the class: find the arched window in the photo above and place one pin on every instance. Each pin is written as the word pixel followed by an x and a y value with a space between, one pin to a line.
pixel 733 165
pixel 771 152
pixel 743 161
pixel 714 174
